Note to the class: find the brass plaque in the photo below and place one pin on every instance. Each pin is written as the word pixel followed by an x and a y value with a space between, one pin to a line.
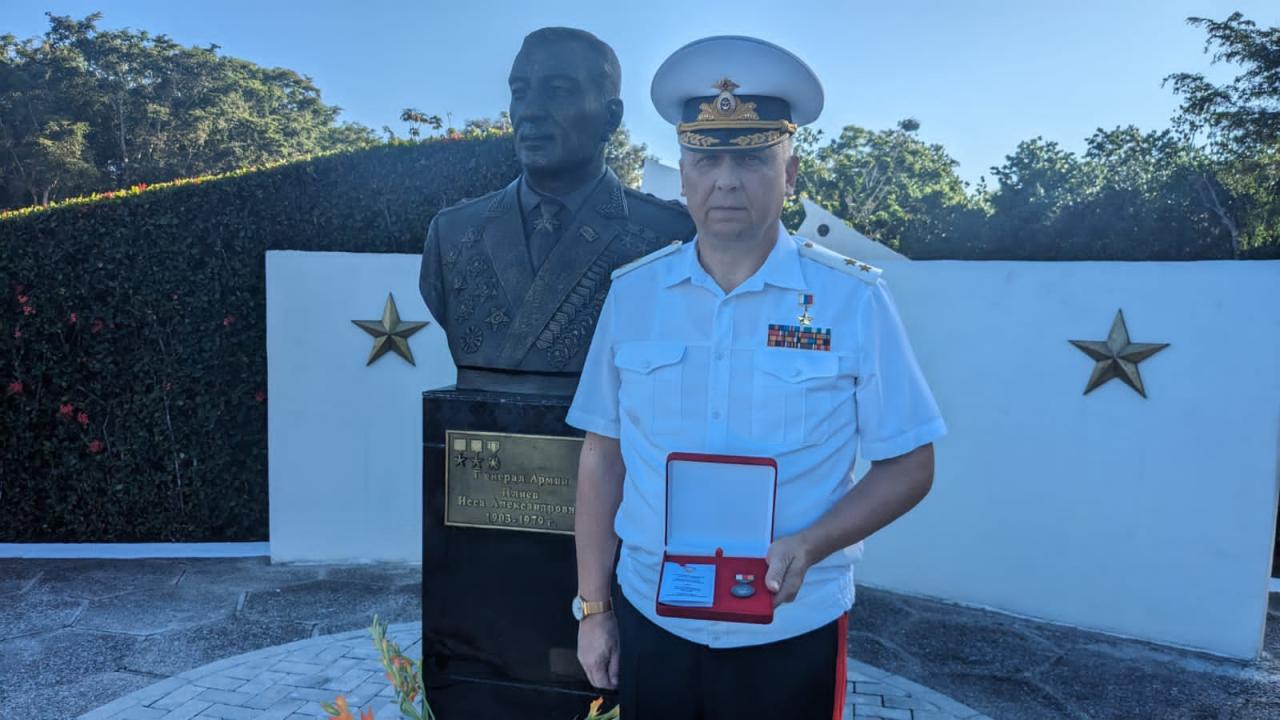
pixel 510 482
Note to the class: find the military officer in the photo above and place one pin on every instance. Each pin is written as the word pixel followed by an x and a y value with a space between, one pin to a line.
pixel 746 341
pixel 516 278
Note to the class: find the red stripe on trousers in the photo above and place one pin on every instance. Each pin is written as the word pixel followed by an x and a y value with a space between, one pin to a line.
pixel 842 679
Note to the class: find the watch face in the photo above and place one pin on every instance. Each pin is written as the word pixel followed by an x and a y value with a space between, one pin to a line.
pixel 577 608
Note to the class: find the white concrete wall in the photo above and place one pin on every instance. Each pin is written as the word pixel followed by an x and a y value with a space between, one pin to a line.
pixel 345 440
pixel 1145 518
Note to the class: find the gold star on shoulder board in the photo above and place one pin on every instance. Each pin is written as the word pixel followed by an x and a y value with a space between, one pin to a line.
pixel 1117 357
pixel 389 333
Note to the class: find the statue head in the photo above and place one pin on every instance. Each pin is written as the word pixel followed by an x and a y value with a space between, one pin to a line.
pixel 564 102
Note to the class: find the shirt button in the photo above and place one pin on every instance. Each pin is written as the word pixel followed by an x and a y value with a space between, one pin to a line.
pixel 720 355
pixel 715 414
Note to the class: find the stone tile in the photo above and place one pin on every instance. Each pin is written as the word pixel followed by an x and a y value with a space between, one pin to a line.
pixel 881 653
pixel 932 715
pixel 187 710
pixel 225 697
pixel 192 647
pixel 947 646
pixel 219 682
pixel 283 709
pixel 335 605
pixel 138 712
pixel 247 574
pixel 36 610
pixel 857 698
pixel 884 713
pixel 64 671
pixel 297 668
pixel 89 579
pixel 380 575
pixel 908 703
pixel 181 697
pixel 1007 697
pixel 877 688
pixel 348 681
pixel 268 697
pixel 229 712
pixel 156 611
pixel 16 575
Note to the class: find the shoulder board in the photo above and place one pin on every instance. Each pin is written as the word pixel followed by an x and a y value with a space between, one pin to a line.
pixel 832 259
pixel 663 251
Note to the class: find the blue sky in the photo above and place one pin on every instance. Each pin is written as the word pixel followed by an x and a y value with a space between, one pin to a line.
pixel 979 75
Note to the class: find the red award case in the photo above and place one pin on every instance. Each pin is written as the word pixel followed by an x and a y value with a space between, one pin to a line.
pixel 720 512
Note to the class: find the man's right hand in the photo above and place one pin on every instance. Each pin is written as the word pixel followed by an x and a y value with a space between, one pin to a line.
pixel 598 649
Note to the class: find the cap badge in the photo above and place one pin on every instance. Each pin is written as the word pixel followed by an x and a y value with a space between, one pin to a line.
pixel 726 105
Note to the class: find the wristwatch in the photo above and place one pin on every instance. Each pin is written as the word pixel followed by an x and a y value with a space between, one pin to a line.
pixel 583 608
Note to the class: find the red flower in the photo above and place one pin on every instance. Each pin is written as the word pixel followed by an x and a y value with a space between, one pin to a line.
pixel 15 388
pixel 96 446
pixel 17 333
pixel 142 186
pixel 260 396
pixel 226 321
pixel 97 326
pixel 22 299
pixel 28 310
pixel 82 417
pixel 65 410
pixel 73 319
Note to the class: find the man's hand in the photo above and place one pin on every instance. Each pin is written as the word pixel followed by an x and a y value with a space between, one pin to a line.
pixel 598 649
pixel 789 559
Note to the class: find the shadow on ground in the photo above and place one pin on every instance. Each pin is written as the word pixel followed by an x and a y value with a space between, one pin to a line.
pixel 76 634
pixel 1014 669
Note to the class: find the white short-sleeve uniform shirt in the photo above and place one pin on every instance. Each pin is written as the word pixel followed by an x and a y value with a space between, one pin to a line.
pixel 678 365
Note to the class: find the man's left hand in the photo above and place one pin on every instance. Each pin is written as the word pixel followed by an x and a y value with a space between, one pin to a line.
pixel 788 560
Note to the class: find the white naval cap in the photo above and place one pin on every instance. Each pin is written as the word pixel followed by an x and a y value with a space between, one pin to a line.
pixel 764 93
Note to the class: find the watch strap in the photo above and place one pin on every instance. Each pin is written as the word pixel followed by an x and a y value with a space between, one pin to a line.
pixel 595 607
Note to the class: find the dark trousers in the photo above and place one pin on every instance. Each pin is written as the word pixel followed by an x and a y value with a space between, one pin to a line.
pixel 665 677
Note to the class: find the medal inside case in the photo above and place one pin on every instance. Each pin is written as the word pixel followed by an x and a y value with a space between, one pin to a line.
pixel 719 513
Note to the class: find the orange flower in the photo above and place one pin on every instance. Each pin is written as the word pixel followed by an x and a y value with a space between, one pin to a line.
pixel 366 714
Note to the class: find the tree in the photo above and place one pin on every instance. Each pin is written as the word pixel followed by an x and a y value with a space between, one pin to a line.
pixel 1240 125
pixel 98 109
pixel 889 185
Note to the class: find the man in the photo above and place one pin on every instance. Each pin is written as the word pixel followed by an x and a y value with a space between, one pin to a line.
pixel 516 278
pixel 745 341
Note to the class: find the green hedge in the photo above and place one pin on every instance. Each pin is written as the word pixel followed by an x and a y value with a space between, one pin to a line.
pixel 133 335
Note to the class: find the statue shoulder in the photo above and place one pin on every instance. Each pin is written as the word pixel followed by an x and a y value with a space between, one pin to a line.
pixel 470 210
pixel 668 217
pixel 643 260
pixel 832 259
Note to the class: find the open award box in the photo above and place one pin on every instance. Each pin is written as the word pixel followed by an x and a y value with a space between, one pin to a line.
pixel 718 530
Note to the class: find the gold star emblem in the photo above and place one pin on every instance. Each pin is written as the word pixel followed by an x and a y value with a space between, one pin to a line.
pixel 389 333
pixel 1117 357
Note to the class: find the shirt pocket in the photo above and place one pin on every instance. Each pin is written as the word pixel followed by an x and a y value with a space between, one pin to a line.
pixel 651 390
pixel 795 394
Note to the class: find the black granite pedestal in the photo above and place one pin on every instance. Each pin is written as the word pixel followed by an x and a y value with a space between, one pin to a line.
pixel 498 637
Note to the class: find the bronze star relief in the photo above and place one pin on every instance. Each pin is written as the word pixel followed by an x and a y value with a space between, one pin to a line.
pixel 1117 357
pixel 389 333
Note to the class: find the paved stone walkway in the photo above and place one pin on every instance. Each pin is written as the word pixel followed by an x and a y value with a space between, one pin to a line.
pixel 290 681
pixel 78 634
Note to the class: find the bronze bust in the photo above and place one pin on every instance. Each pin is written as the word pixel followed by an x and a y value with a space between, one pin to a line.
pixel 517 277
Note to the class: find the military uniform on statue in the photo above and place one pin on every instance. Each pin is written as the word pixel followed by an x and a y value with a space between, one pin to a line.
pixel 516 279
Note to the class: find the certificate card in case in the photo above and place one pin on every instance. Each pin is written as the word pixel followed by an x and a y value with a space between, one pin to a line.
pixel 720 511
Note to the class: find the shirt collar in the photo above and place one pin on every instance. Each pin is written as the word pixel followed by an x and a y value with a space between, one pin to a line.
pixel 529 198
pixel 781 267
